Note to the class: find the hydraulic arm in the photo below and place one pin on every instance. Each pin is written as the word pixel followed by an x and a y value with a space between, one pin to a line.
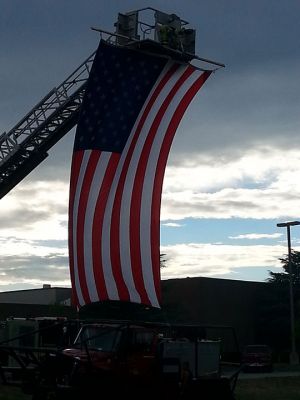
pixel 25 146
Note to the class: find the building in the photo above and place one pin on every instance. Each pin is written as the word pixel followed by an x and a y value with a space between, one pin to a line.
pixel 204 301
pixel 216 302
pixel 47 301
pixel 47 295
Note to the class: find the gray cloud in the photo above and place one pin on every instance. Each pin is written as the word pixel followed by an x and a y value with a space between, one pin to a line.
pixel 240 111
pixel 52 267
pixel 22 217
pixel 57 244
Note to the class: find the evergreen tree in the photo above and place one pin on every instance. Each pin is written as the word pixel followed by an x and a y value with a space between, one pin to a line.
pixel 275 307
pixel 162 260
pixel 283 277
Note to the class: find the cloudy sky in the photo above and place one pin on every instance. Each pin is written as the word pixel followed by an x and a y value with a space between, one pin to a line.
pixel 234 166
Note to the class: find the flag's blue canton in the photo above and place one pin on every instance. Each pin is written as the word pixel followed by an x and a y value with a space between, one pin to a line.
pixel 118 85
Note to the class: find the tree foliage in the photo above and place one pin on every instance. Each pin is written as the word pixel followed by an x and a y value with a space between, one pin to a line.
pixel 274 322
pixel 282 278
pixel 162 260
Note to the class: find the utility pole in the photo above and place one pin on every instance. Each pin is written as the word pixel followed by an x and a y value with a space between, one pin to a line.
pixel 294 357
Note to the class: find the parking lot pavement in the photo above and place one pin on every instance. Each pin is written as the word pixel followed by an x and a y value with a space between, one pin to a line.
pixel 278 371
pixel 273 374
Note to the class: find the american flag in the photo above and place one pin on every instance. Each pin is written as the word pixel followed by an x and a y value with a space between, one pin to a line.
pixel 132 107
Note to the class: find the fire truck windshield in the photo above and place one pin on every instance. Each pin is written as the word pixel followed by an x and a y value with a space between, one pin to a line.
pixel 99 338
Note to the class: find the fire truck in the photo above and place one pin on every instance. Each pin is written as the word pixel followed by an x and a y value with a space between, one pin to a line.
pixel 123 358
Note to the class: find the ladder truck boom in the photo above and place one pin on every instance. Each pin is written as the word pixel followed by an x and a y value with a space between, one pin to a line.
pixel 25 146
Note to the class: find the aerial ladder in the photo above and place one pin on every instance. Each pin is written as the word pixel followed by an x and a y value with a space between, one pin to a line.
pixel 27 144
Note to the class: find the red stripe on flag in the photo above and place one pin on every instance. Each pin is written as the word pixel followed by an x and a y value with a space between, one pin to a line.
pixel 157 188
pixel 135 209
pixel 98 224
pixel 115 220
pixel 76 164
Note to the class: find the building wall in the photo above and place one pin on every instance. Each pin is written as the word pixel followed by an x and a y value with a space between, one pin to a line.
pixel 46 296
pixel 15 310
pixel 204 301
pixel 209 301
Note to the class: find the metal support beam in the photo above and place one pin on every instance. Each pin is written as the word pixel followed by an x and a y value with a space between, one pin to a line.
pixel 26 145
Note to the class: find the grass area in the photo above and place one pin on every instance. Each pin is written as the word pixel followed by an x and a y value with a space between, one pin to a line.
pixel 12 393
pixel 287 388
